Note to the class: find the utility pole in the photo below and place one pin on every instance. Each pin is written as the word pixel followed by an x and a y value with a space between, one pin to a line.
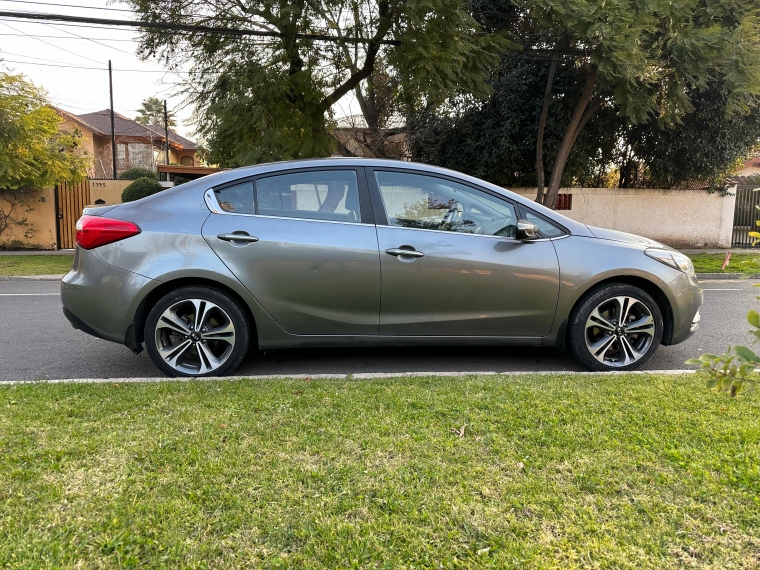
pixel 166 133
pixel 113 134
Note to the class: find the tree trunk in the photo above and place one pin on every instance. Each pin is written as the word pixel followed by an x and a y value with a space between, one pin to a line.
pixel 541 127
pixel 580 117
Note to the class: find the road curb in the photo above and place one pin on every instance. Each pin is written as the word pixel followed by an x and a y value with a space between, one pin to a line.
pixel 349 376
pixel 704 276
pixel 32 277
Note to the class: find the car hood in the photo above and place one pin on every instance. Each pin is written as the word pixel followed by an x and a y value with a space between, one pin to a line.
pixel 615 235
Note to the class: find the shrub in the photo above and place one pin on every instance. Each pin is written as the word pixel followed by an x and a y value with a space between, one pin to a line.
pixel 140 188
pixel 137 173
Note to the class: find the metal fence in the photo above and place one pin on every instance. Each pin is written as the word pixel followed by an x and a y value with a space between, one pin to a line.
pixel 745 215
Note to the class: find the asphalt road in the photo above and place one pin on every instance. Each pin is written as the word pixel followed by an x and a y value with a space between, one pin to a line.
pixel 37 342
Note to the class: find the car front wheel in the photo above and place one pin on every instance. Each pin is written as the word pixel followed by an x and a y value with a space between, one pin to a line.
pixel 196 331
pixel 615 327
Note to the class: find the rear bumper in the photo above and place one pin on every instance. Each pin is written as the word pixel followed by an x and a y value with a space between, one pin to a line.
pixel 100 299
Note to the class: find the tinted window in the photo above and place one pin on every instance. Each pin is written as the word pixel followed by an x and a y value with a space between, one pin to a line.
pixel 427 202
pixel 327 195
pixel 547 229
pixel 237 199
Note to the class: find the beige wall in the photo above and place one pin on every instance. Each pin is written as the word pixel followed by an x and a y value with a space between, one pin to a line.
pixel 107 190
pixel 38 231
pixel 679 218
pixel 176 156
pixel 88 141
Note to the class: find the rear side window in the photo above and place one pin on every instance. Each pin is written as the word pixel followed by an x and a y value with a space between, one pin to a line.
pixel 237 199
pixel 323 195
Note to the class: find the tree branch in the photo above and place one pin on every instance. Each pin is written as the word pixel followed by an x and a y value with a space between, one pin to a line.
pixel 541 128
pixel 384 25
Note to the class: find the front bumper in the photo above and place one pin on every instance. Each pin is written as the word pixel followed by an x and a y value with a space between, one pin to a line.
pixel 100 299
pixel 686 298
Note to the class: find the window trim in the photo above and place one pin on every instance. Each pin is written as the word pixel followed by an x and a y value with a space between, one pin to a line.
pixel 365 205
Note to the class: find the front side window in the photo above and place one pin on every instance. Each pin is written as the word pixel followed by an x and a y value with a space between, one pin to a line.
pixel 236 199
pixel 547 229
pixel 324 195
pixel 427 202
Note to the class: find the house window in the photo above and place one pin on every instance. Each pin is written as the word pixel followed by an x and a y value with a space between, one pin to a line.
pixel 130 155
pixel 187 161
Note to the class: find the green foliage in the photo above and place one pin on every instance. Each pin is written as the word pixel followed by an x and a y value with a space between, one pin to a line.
pixel 496 139
pixel 703 145
pixel 33 152
pixel 138 172
pixel 262 99
pixel 676 85
pixel 140 188
pixel 151 112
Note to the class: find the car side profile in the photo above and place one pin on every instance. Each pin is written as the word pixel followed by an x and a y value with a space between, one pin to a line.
pixel 364 252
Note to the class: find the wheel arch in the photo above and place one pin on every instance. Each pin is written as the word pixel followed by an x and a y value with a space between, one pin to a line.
pixel 642 283
pixel 135 334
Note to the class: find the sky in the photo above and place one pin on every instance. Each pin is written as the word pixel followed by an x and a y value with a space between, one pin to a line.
pixel 39 49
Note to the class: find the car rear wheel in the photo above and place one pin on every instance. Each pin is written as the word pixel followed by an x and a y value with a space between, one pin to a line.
pixel 615 327
pixel 196 331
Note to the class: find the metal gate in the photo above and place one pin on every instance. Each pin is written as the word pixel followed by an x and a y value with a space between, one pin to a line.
pixel 71 200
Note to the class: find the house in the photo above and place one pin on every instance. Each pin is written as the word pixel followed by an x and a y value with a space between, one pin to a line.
pixel 136 144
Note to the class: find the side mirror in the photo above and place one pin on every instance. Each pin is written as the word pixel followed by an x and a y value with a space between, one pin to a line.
pixel 526 230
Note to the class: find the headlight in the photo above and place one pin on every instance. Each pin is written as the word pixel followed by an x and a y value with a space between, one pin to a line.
pixel 673 259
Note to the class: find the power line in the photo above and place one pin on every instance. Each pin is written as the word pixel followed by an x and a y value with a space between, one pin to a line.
pixel 69 6
pixel 183 27
pixel 90 40
pixel 99 68
pixel 48 43
pixel 68 38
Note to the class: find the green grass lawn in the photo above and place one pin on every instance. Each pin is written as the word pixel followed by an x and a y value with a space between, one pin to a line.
pixel 563 472
pixel 739 263
pixel 35 264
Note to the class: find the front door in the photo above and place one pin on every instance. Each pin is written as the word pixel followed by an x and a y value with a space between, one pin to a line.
pixel 302 249
pixel 451 265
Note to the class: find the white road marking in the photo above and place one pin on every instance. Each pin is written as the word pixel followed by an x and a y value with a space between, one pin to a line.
pixel 30 294
pixel 703 289
pixel 349 376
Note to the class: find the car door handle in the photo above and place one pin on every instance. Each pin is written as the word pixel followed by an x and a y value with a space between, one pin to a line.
pixel 237 237
pixel 406 252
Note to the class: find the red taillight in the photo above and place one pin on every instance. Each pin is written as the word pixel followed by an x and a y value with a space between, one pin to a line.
pixel 94 231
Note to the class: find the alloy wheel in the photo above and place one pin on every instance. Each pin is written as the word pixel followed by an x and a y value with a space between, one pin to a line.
pixel 195 336
pixel 620 331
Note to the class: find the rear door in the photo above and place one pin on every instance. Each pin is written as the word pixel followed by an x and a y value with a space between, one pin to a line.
pixel 451 265
pixel 304 244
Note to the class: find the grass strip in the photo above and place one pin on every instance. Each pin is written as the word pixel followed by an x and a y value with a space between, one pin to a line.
pixel 631 471
pixel 14 265
pixel 739 262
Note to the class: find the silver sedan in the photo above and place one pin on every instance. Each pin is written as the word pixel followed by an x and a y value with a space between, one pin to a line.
pixel 363 252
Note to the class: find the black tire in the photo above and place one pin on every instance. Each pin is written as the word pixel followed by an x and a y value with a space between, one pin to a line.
pixel 230 349
pixel 623 346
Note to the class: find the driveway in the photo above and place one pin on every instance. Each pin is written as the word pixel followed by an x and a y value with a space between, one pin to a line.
pixel 36 341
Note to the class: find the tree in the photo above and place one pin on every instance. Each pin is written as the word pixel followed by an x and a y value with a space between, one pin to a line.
pixel 705 144
pixel 267 98
pixel 642 67
pixel 648 57
pixel 33 151
pixel 151 112
pixel 495 139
